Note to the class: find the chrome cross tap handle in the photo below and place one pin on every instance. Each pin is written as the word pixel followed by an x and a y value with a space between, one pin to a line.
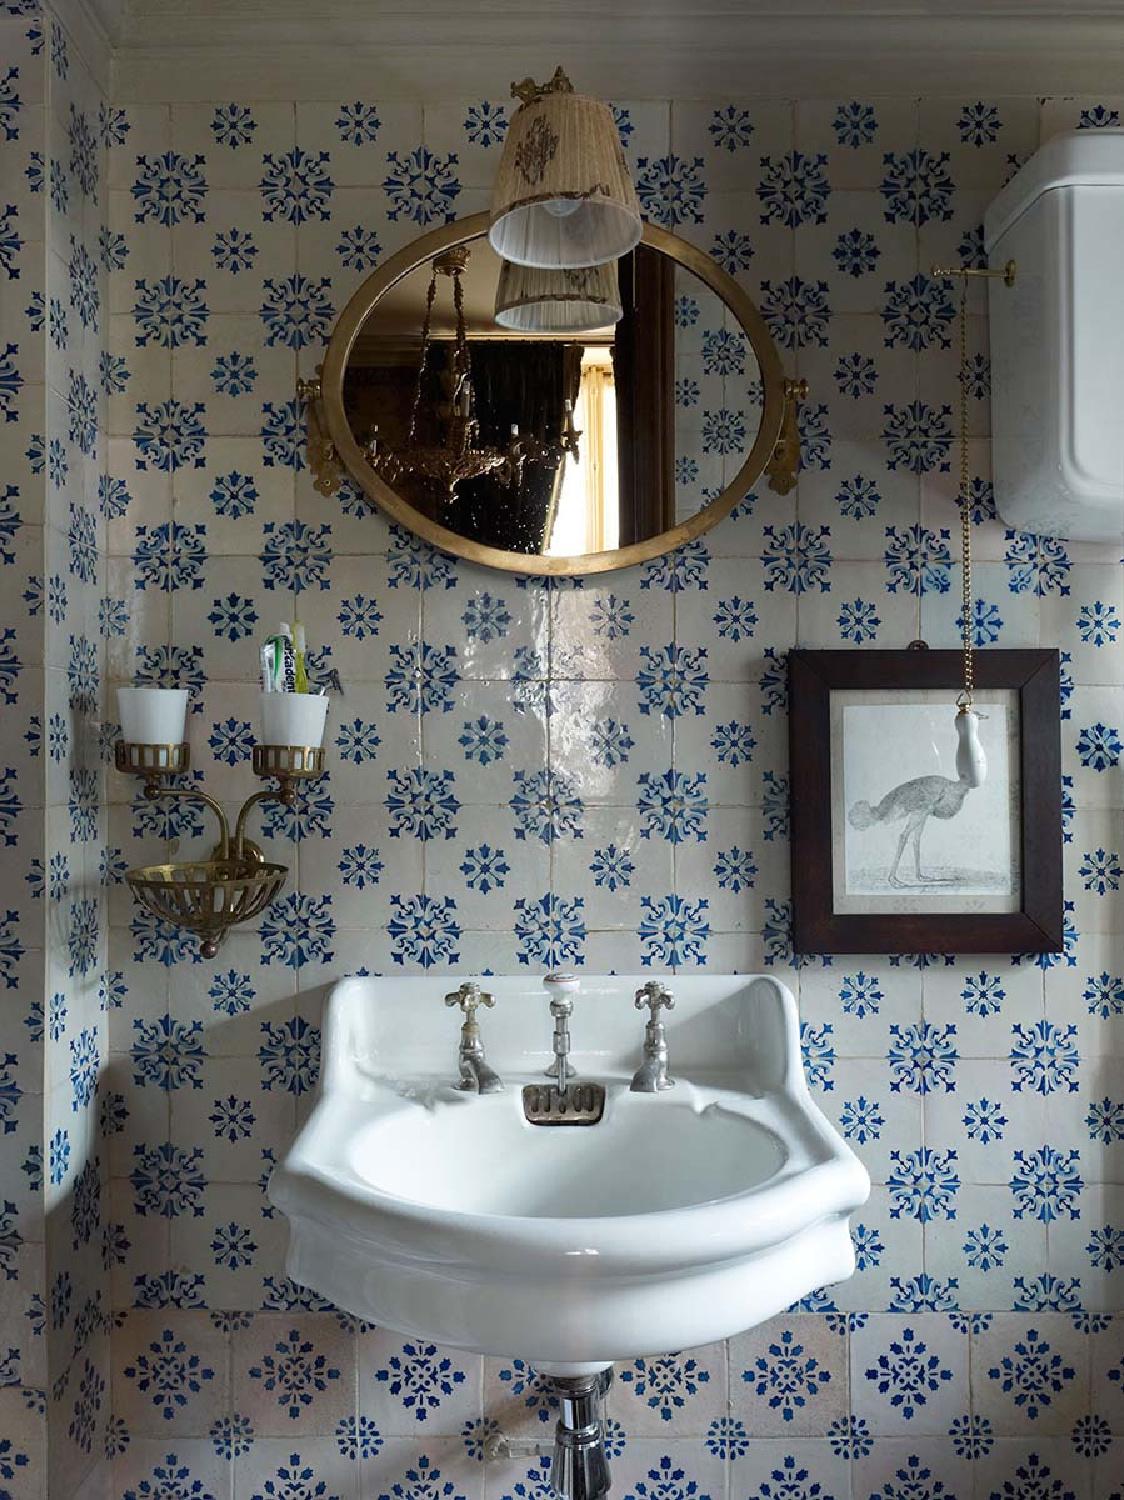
pixel 651 1077
pixel 476 1076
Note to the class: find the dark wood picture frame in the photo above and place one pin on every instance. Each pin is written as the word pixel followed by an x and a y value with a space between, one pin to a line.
pixel 817 928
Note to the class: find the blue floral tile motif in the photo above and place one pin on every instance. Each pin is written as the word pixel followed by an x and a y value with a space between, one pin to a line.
pixel 168 1373
pixel 358 1437
pixel 1104 995
pixel 424 930
pixel 797 558
pixel 485 124
pixel 11 242
pixel 1099 747
pixel 1098 117
pixel 421 1376
pixel 984 1121
pixel 1047 1184
pixel 550 930
pixel 294 1372
pixel 791 1481
pixel 421 678
pixel 170 313
pixel 918 314
pixel 297 930
pixel 667 1383
pixel 10 104
pixel 169 435
pixel 787 1376
pixel 289 1056
pixel 674 806
pixel 523 1381
pixel 422 1481
pixel 855 375
pixel 1032 1374
pixel 170 189
pixel 797 312
pixel 855 124
pixel 672 189
pixel 297 311
pixel 296 186
pixel 858 622
pixel 360 866
pixel 234 250
pixel 817 1052
pixel 358 248
pixel 731 128
pixel 87 1405
pixel 923 1058
pixel 918 560
pixel 856 253
pixel 167 1181
pixel 794 189
pixel 918 437
pixel 917 187
pixel 908 1373
pixel 422 186
pixel 673 680
pixel 1036 564
pixel 422 803
pixel 923 1184
pixel 1044 1058
pixel 667 1481
pixel 733 250
pixel 233 125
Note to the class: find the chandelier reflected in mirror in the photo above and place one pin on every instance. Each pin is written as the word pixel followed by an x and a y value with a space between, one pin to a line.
pixel 455 453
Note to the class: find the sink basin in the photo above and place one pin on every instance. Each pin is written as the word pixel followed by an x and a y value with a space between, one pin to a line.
pixel 679 1218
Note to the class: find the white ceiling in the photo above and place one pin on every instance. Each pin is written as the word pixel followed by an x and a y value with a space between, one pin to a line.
pixel 618 48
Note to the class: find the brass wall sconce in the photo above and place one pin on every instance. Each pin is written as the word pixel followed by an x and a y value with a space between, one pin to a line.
pixel 237 882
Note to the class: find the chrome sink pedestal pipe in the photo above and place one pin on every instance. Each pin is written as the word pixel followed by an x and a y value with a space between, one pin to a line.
pixel 579 1469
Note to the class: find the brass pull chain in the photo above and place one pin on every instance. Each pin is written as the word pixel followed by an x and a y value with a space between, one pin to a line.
pixel 964 701
pixel 950 273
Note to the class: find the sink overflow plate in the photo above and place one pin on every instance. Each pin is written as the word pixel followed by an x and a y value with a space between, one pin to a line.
pixel 578 1104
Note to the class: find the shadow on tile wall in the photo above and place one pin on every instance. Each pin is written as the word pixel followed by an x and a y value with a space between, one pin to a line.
pixel 594 774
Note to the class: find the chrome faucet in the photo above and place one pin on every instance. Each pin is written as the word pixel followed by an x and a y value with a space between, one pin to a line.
pixel 563 1102
pixel 476 1075
pixel 651 1077
pixel 561 988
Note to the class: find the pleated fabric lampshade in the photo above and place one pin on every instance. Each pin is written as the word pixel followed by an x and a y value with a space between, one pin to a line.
pixel 564 196
pixel 530 299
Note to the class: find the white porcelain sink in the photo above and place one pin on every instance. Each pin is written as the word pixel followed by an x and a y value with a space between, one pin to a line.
pixel 681 1217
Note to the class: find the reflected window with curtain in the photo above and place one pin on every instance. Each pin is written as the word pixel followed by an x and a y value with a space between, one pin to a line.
pixel 587 516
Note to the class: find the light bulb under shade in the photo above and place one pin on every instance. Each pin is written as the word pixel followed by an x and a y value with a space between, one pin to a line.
pixel 564 148
pixel 530 299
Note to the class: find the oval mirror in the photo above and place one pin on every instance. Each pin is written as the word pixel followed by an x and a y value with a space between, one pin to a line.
pixel 551 448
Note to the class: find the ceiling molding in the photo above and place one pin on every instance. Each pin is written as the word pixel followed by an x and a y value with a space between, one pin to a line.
pixel 94 27
pixel 209 49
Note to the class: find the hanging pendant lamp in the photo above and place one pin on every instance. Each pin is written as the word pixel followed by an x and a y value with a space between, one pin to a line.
pixel 563 196
pixel 530 299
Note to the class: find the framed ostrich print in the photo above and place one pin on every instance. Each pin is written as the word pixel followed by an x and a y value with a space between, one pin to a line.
pixel 902 842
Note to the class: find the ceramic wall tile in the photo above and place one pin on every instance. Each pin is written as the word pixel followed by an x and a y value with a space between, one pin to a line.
pixel 521 774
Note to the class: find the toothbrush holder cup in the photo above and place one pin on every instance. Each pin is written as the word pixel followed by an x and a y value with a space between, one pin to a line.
pixel 152 716
pixel 294 719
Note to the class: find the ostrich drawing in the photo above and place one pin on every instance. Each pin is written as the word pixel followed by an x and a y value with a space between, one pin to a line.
pixel 927 797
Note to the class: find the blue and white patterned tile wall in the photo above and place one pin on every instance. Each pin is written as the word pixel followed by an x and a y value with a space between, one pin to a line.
pixel 53 816
pixel 592 775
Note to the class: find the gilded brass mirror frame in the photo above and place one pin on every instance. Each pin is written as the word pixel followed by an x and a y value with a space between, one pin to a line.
pixel 333 449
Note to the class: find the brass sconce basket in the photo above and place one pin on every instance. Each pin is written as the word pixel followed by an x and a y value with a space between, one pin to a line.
pixel 237 884
pixel 209 896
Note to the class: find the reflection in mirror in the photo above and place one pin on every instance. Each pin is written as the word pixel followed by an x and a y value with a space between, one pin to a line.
pixel 555 443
